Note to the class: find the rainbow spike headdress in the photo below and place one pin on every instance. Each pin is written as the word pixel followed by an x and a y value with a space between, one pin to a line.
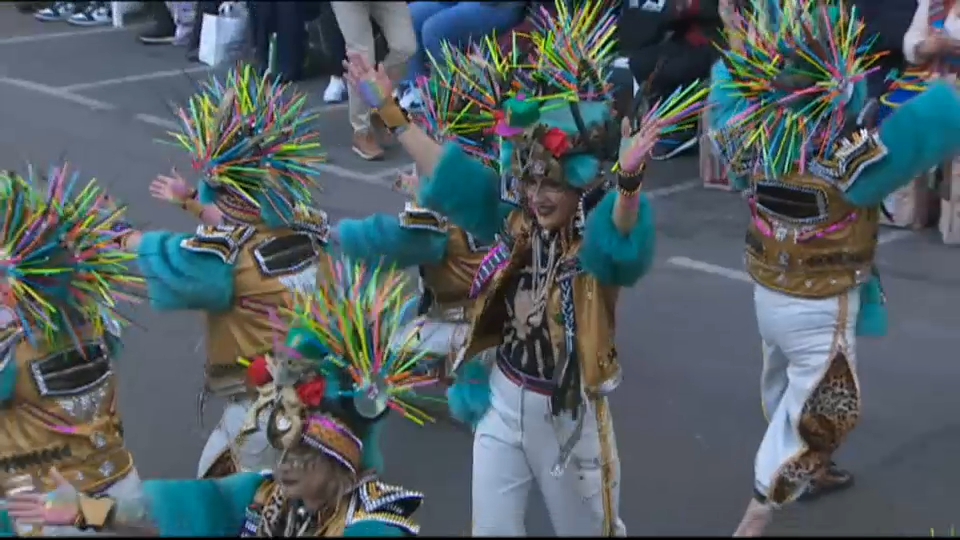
pixel 334 378
pixel 62 272
pixel 801 81
pixel 552 107
pixel 250 140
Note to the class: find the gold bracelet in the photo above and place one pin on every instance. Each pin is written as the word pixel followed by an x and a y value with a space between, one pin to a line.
pixel 193 206
pixel 632 193
pixel 632 174
pixel 392 115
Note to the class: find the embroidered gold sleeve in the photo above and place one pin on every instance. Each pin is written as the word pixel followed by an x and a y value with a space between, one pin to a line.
pixel 224 241
pixel 850 157
pixel 416 217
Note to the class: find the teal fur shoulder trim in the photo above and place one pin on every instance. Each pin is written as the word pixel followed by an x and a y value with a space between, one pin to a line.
pixel 467 192
pixel 724 106
pixel 7 529
pixel 201 508
pixel 382 239
pixel 921 134
pixel 872 319
pixel 469 397
pixel 611 257
pixel 181 279
pixel 373 529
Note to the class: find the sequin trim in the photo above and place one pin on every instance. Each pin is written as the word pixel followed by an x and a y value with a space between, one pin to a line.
pixel 850 158
pixel 224 241
pixel 384 503
pixel 417 218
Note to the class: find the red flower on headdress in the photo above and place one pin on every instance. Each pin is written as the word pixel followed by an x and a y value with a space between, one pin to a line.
pixel 258 374
pixel 311 392
pixel 556 141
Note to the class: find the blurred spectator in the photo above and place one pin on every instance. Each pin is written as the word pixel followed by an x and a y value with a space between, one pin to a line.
pixel 934 34
pixel 329 50
pixel 670 44
pixel 354 19
pixel 186 19
pixel 162 29
pixel 77 13
pixel 888 20
pixel 193 39
pixel 288 20
pixel 31 7
pixel 458 23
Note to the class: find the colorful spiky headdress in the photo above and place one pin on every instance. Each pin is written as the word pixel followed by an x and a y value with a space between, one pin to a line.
pixel 250 139
pixel 339 370
pixel 801 74
pixel 63 273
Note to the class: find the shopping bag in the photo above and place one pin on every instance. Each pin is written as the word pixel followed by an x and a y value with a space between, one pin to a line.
pixel 223 36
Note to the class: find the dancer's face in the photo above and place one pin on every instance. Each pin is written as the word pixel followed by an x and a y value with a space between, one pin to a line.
pixel 311 477
pixel 553 204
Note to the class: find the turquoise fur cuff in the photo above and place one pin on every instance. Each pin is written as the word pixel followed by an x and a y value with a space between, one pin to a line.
pixel 469 397
pixel 609 256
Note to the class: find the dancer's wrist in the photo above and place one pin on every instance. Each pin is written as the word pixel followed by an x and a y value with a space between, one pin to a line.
pixel 394 117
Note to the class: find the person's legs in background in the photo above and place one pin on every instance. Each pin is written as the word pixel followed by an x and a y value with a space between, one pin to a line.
pixel 354 19
pixel 94 14
pixel 162 29
pixel 459 24
pixel 660 70
pixel 334 51
pixel 59 11
pixel 419 63
pixel 193 40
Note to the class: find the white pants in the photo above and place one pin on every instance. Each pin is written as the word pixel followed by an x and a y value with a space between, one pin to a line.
pixel 127 487
pixel 254 453
pixel 809 387
pixel 515 445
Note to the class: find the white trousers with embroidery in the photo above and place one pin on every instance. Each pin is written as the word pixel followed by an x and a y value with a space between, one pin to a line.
pixel 516 445
pixel 127 487
pixel 809 387
pixel 254 453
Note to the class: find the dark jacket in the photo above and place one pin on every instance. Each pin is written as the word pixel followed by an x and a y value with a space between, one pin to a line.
pixel 888 20
pixel 640 28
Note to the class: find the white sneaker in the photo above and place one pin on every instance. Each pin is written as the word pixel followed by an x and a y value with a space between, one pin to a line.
pixel 336 91
pixel 412 99
pixel 96 14
pixel 59 11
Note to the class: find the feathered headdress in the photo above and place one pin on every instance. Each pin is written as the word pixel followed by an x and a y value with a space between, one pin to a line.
pixel 250 136
pixel 336 374
pixel 62 270
pixel 801 73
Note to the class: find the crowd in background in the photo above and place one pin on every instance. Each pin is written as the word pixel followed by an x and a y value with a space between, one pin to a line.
pixel 669 43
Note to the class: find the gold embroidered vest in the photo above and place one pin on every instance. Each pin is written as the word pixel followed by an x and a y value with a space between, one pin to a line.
pixel 63 413
pixel 270 266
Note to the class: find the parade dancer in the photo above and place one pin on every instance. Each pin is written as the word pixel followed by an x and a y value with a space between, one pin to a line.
pixel 546 293
pixel 446 256
pixel 790 121
pixel 325 391
pixel 251 145
pixel 59 335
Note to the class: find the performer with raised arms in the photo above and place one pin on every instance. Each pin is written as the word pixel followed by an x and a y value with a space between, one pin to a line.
pixel 789 118
pixel 568 240
pixel 251 143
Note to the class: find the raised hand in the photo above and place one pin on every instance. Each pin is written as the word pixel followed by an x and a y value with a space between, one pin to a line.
pixel 171 188
pixel 635 147
pixel 59 508
pixel 371 84
pixel 406 183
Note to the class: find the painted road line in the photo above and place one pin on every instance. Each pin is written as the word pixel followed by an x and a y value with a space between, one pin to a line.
pixel 58 93
pixel 61 35
pixel 894 235
pixel 708 268
pixel 134 78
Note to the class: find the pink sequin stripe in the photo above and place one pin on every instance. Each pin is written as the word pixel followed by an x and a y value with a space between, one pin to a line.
pixel 835 228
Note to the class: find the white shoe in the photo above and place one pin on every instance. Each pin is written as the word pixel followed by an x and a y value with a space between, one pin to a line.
pixel 411 99
pixel 336 91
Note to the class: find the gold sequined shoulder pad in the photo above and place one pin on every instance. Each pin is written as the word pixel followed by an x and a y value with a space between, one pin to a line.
pixel 224 241
pixel 312 221
pixel 416 217
pixel 850 157
pixel 392 505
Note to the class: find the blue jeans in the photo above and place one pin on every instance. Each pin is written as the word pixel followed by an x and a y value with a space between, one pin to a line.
pixel 459 23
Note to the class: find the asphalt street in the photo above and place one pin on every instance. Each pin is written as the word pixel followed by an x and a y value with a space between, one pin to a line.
pixel 687 415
